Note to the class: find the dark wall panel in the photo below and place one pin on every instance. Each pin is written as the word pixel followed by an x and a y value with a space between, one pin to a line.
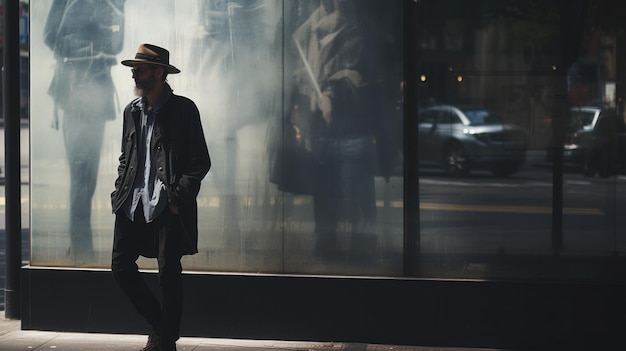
pixel 510 315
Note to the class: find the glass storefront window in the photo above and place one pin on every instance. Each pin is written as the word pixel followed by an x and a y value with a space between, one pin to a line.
pixel 518 133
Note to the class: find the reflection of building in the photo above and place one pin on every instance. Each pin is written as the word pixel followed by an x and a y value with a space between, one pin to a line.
pixel 481 66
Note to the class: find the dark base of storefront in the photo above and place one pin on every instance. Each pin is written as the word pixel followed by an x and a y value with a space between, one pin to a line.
pixel 468 313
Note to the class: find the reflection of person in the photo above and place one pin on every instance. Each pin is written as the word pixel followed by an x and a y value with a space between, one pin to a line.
pixel 336 94
pixel 164 159
pixel 230 46
pixel 84 36
pixel 601 152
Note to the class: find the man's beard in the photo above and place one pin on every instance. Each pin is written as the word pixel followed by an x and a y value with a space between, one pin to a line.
pixel 146 87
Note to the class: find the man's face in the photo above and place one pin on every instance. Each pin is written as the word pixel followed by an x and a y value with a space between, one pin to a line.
pixel 145 79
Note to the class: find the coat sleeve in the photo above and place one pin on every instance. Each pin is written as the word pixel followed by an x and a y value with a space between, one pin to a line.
pixel 196 161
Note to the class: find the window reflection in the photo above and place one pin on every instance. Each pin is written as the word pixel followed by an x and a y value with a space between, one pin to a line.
pixel 339 119
pixel 540 75
pixel 84 37
pixel 303 106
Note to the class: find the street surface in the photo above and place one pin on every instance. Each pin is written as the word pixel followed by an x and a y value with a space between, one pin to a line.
pixel 481 214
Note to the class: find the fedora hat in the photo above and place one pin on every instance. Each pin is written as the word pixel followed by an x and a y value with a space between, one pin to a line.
pixel 154 55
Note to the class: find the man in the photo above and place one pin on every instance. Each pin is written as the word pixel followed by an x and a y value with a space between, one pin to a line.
pixel 164 159
pixel 85 36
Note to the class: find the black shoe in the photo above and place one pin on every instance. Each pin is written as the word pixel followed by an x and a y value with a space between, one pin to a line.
pixel 167 345
pixel 154 343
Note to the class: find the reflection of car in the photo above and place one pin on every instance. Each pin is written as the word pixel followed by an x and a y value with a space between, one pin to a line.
pixel 605 146
pixel 579 131
pixel 461 139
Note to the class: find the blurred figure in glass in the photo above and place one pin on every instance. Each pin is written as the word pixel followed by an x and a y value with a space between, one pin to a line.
pixel 85 36
pixel 336 99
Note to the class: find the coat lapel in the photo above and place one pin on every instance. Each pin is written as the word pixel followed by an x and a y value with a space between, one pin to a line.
pixel 136 115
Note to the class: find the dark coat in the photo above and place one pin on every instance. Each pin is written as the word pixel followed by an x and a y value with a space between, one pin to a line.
pixel 180 155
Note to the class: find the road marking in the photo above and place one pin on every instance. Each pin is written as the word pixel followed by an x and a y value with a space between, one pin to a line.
pixel 509 209
pixel 214 202
pixel 491 184
pixel 392 204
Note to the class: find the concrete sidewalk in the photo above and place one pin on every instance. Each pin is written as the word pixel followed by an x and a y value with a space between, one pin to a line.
pixel 12 338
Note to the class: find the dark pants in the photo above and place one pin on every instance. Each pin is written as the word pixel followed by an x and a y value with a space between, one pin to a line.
pixel 159 239
pixel 344 191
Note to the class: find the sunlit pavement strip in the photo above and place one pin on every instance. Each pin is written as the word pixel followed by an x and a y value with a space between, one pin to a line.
pixel 44 340
pixel 273 345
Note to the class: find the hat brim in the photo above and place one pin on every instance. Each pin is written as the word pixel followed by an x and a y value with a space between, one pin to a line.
pixel 168 68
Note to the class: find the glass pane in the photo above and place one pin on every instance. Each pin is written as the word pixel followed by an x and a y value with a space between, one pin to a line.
pixel 342 128
pixel 490 198
pixel 73 138
pixel 249 66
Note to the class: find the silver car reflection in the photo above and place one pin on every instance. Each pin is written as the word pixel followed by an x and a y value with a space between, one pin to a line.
pixel 582 121
pixel 460 139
